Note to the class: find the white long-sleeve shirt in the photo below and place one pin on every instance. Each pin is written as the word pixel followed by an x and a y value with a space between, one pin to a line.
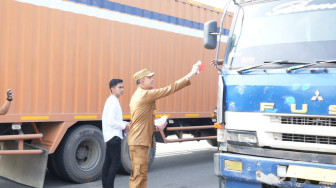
pixel 113 123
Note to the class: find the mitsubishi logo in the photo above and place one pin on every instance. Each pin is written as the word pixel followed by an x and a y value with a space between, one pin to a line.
pixel 317 96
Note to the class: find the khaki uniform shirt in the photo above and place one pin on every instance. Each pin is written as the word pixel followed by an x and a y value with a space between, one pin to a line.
pixel 142 107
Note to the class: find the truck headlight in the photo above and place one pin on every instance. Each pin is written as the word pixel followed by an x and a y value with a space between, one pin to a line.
pixel 245 138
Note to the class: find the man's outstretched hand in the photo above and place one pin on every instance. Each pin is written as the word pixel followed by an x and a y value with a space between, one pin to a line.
pixel 213 62
pixel 195 69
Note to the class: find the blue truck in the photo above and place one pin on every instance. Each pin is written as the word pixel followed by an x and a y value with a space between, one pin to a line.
pixel 276 110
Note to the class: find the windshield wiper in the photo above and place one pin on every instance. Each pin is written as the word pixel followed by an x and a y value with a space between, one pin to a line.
pixel 290 69
pixel 240 71
pixel 327 61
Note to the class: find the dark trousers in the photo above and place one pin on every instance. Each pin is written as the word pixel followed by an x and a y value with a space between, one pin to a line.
pixel 112 162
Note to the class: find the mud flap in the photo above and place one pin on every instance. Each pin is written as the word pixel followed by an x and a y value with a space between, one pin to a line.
pixel 25 169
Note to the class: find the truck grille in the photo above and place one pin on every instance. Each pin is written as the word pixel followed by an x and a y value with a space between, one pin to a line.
pixel 331 122
pixel 310 121
pixel 309 139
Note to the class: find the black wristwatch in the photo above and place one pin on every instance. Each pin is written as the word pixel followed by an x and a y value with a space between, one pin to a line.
pixel 9 96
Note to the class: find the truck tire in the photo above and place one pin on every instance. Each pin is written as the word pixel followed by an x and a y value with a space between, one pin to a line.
pixel 81 154
pixel 126 164
pixel 213 143
pixel 52 166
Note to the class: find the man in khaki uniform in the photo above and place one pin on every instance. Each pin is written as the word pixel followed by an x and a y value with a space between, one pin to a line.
pixel 142 106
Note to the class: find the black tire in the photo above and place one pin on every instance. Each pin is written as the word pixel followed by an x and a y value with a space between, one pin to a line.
pixel 212 142
pixel 52 166
pixel 126 164
pixel 81 154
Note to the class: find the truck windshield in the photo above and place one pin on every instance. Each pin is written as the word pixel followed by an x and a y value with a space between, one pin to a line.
pixel 298 31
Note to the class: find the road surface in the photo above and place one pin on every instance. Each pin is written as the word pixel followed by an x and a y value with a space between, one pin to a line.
pixel 177 165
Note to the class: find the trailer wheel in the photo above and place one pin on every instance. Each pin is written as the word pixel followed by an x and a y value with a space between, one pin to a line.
pixel 81 154
pixel 126 164
pixel 213 143
pixel 52 166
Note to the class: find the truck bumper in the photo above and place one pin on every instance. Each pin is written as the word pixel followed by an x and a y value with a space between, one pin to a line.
pixel 236 170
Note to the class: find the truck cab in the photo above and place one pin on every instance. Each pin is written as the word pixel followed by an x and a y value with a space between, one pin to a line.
pixel 276 98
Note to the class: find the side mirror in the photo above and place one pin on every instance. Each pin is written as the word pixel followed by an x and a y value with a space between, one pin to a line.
pixel 210 34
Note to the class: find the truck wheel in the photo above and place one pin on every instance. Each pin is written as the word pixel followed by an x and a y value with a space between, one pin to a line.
pixel 126 164
pixel 52 166
pixel 213 142
pixel 81 154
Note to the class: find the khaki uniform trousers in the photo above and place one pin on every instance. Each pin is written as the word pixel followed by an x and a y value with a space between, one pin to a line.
pixel 139 158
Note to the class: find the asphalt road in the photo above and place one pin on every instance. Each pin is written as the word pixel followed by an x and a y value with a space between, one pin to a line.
pixel 177 165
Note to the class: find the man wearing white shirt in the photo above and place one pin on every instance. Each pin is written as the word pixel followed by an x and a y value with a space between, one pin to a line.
pixel 113 125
